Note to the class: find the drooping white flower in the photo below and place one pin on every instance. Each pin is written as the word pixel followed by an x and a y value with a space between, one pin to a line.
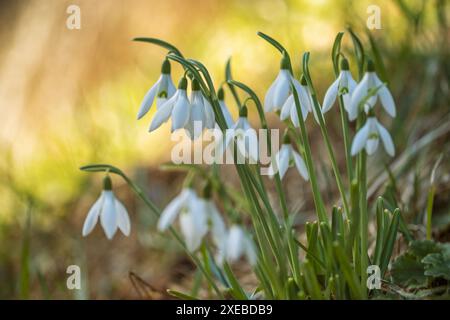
pixel 163 89
pixel 111 211
pixel 238 243
pixel 226 113
pixel 372 86
pixel 192 218
pixel 289 108
pixel 344 86
pixel 368 137
pixel 287 157
pixel 244 136
pixel 201 115
pixel 280 89
pixel 177 107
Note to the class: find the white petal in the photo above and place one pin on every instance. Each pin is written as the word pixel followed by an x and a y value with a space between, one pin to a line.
pixel 148 99
pixel 372 145
pixel 172 210
pixel 218 229
pixel 163 113
pixel 358 95
pixel 373 138
pixel 210 120
pixel 347 98
pixel 108 216
pixel 286 109
pixel 268 99
pixel 171 89
pixel 294 116
pixel 330 95
pixel 226 114
pixel 304 98
pixel 180 112
pixel 283 159
pixel 300 165
pixel 235 243
pixel 387 140
pixel 250 250
pixel 350 82
pixel 252 146
pixel 123 220
pixel 385 97
pixel 360 139
pixel 196 122
pixel 282 89
pixel 188 229
pixel 92 216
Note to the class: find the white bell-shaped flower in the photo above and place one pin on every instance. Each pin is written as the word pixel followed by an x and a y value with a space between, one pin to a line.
pixel 244 136
pixel 201 114
pixel 163 89
pixel 192 218
pixel 238 244
pixel 289 108
pixel 367 91
pixel 177 108
pixel 344 86
pixel 111 211
pixel 368 137
pixel 280 89
pixel 287 157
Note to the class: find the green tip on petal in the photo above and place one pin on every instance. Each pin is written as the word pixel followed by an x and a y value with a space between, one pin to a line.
pixel 370 66
pixel 221 94
pixel 243 112
pixel 165 68
pixel 182 84
pixel 284 64
pixel 344 65
pixel 303 81
pixel 195 85
pixel 107 183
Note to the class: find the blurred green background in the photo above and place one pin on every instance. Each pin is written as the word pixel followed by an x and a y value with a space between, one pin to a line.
pixel 70 98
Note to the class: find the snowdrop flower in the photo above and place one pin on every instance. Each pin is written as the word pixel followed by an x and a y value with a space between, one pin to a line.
pixel 290 110
pixel 201 114
pixel 287 157
pixel 244 136
pixel 192 218
pixel 344 85
pixel 163 89
pixel 371 85
pixel 368 137
pixel 280 89
pixel 226 113
pixel 111 211
pixel 177 108
pixel 238 244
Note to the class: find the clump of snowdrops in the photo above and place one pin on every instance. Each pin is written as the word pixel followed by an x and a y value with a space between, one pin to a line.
pixel 333 262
